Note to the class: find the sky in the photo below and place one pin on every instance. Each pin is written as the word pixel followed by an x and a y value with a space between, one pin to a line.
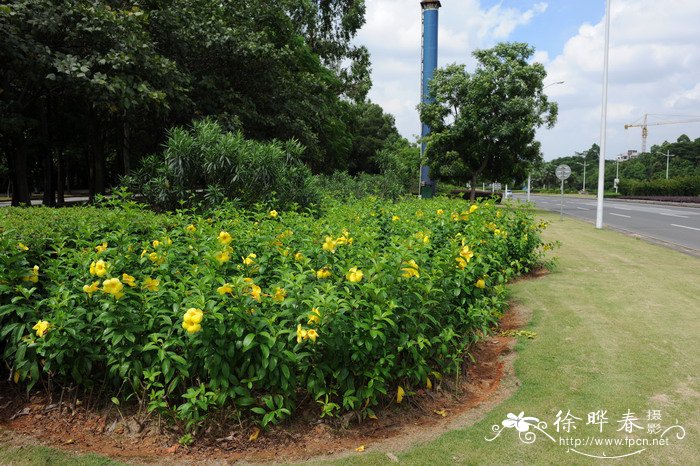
pixel 654 62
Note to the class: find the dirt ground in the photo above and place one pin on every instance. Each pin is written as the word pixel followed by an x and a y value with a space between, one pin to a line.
pixel 420 418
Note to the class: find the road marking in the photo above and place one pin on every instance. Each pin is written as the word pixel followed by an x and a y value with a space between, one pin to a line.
pixel 619 215
pixel 581 208
pixel 672 215
pixel 620 208
pixel 683 226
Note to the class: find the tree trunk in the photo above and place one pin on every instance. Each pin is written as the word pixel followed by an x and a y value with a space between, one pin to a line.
pixel 60 179
pixel 18 169
pixel 98 160
pixel 126 148
pixel 49 198
pixel 472 193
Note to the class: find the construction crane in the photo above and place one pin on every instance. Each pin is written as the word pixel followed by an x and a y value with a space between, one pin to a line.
pixel 644 123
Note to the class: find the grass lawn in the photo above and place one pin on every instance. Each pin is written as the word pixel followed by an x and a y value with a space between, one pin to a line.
pixel 618 329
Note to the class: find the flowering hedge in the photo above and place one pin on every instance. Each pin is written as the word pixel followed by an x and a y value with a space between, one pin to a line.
pixel 248 312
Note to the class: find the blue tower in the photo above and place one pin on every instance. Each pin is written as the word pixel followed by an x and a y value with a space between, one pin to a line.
pixel 429 55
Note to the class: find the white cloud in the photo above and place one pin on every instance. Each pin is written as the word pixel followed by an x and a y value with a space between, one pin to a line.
pixel 654 65
pixel 654 68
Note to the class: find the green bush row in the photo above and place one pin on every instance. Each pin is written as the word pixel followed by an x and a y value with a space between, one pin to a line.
pixel 243 312
pixel 685 186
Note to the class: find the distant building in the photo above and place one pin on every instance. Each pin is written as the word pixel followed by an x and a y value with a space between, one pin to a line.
pixel 631 154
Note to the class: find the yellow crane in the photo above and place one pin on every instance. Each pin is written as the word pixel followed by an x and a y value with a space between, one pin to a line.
pixel 643 123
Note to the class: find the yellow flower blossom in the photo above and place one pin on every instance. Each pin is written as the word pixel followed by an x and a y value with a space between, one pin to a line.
pixel 225 288
pixel 455 216
pixel 280 294
pixel 168 241
pixel 225 237
pixel 273 214
pixel 354 275
pixel 395 218
pixel 22 247
pixel 323 273
pixel 311 334
pixel 473 208
pixel 129 280
pixel 222 257
pixel 90 289
pixel 151 284
pixel 461 262
pixel 156 243
pixel 155 258
pixel 250 260
pixel 315 316
pixel 42 328
pixel 466 253
pixel 34 277
pixel 298 257
pixel 498 214
pixel 99 268
pixel 400 393
pixel 253 290
pixel 191 228
pixel 101 247
pixel 143 253
pixel 192 320
pixel 301 334
pixel 480 283
pixel 410 269
pixel 440 212
pixel 114 287
pixel 330 244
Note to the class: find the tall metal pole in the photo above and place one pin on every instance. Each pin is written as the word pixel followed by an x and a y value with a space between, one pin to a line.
pixel 668 159
pixel 584 174
pixel 429 55
pixel 528 186
pixel 604 121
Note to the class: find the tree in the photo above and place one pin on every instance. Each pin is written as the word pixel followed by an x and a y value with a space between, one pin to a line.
pixel 484 123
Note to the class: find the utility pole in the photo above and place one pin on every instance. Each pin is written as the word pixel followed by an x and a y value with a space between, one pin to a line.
pixel 668 156
pixel 603 121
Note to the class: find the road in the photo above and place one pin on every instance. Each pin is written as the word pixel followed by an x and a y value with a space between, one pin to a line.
pixel 679 226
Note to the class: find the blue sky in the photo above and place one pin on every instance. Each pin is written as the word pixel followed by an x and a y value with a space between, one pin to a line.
pixel 654 61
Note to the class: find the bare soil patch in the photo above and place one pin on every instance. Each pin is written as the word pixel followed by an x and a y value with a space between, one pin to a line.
pixel 452 404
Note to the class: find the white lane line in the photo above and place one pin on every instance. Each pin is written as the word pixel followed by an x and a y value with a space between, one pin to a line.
pixel 672 215
pixel 619 215
pixel 683 226
pixel 620 208
pixel 581 208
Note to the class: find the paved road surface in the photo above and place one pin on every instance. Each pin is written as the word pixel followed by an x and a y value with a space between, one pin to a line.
pixel 671 224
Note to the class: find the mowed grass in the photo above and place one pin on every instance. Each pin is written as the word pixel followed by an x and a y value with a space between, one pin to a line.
pixel 618 329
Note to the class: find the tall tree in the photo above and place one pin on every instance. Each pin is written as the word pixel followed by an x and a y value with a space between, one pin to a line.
pixel 484 123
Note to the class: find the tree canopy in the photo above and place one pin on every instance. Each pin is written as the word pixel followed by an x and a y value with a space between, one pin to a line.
pixel 483 123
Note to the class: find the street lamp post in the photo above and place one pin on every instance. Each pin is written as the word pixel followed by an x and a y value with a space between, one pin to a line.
pixel 603 121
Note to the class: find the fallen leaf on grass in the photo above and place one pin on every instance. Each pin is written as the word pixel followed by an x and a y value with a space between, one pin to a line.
pixel 254 436
pixel 399 394
pixel 360 449
pixel 442 412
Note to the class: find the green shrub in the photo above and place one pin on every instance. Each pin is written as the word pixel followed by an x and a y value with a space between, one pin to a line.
pixel 243 312
pixel 206 164
pixel 685 186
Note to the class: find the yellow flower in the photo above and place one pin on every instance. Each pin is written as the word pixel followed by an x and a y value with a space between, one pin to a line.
pixel 423 237
pixel 298 257
pixel 498 214
pixel 250 260
pixel 480 283
pixel 143 253
pixel 156 243
pixel 22 247
pixel 34 277
pixel 473 208
pixel 151 284
pixel 280 294
pixel 315 316
pixel 114 287
pixel 225 237
pixel 455 216
pixel 191 228
pixel 90 289
pixel 253 290
pixel 41 327
pixel 225 288
pixel 155 258
pixel 168 241
pixel 222 257
pixel 395 218
pixel 400 394
pixel 440 212
pixel 311 334
pixel 100 268
pixel 192 320
pixel 273 214
pixel 410 269
pixel 129 280
pixel 461 263
pixel 301 334
pixel 354 275
pixel 330 244
pixel 101 248
pixel 323 273
pixel 466 253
